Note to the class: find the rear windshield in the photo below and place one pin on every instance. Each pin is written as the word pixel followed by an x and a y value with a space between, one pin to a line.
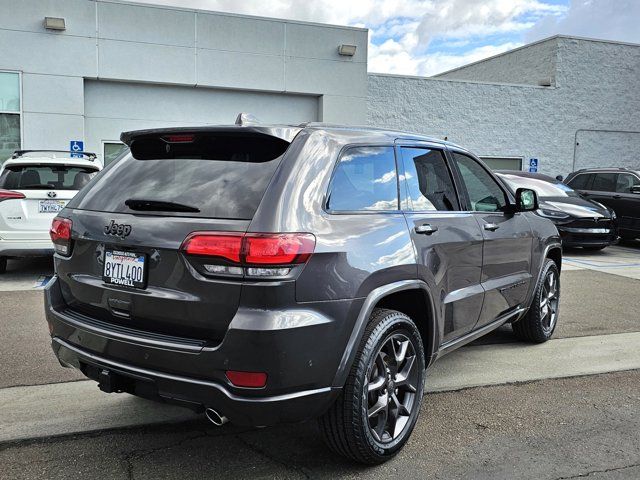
pixel 213 177
pixel 51 177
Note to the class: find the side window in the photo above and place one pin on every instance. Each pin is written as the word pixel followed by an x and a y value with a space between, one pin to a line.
pixel 428 181
pixel 581 181
pixel 365 179
pixel 484 192
pixel 604 182
pixel 625 182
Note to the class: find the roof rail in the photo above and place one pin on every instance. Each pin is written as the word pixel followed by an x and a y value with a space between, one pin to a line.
pixel 90 155
pixel 604 169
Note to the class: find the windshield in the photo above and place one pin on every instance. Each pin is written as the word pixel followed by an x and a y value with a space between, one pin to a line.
pixel 51 177
pixel 543 188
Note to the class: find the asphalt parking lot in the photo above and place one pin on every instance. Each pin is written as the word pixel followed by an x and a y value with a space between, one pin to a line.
pixel 495 409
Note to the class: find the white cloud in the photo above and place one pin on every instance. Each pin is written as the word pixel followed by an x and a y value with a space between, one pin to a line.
pixel 392 58
pixel 604 19
pixel 406 27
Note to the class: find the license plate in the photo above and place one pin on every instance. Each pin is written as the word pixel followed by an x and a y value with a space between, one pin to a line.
pixel 51 206
pixel 124 268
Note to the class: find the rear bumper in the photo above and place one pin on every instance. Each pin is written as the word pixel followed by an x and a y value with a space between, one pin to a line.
pixel 198 394
pixel 300 360
pixel 26 248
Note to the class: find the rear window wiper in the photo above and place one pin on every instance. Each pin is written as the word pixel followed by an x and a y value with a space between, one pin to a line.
pixel 158 206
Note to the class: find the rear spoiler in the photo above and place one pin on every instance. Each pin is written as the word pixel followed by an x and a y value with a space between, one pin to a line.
pixel 88 155
pixel 283 132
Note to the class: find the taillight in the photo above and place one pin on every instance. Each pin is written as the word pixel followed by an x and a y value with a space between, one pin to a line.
pixel 254 254
pixel 247 379
pixel 60 234
pixel 284 249
pixel 10 195
pixel 225 246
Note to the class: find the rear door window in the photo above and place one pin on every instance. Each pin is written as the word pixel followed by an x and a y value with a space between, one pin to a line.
pixel 214 176
pixel 604 182
pixel 428 181
pixel 52 177
pixel 365 179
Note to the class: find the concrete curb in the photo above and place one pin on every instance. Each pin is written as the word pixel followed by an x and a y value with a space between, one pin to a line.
pixel 64 408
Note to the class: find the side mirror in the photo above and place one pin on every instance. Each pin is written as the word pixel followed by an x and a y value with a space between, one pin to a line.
pixel 635 189
pixel 526 200
pixel 559 178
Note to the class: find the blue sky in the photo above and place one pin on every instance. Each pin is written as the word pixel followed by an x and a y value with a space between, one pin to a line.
pixel 426 37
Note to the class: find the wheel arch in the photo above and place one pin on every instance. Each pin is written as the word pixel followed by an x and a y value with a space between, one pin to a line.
pixel 555 254
pixel 411 297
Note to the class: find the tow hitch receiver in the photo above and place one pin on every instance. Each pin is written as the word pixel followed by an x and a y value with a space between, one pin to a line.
pixel 108 382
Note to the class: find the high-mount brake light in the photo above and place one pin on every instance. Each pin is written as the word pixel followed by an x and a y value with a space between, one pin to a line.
pixel 263 254
pixel 60 234
pixel 179 138
pixel 10 195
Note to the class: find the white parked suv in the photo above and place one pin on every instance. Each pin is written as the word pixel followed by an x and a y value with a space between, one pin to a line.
pixel 34 186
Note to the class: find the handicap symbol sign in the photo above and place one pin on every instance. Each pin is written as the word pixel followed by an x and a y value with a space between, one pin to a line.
pixel 533 165
pixel 76 146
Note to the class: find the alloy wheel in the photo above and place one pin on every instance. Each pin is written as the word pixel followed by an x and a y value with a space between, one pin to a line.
pixel 549 301
pixel 392 383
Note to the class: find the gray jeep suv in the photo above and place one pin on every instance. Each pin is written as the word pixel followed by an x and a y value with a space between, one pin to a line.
pixel 267 274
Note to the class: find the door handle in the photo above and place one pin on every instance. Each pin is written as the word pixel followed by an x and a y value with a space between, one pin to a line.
pixel 425 229
pixel 492 227
pixel 617 196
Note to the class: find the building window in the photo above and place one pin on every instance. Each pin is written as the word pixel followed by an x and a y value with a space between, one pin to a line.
pixel 503 163
pixel 112 150
pixel 9 114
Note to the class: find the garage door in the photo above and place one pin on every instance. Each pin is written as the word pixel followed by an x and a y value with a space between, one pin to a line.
pixel 113 107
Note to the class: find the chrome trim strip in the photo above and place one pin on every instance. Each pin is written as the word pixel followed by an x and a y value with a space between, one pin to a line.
pixel 123 336
pixel 585 230
pixel 176 378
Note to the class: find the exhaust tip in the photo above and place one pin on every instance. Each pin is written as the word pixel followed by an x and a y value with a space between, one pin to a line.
pixel 214 417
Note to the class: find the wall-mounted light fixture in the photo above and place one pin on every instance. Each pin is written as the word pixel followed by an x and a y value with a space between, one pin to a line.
pixel 54 23
pixel 347 50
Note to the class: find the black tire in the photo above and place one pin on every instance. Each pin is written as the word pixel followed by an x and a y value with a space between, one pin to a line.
pixel 594 249
pixel 539 323
pixel 347 426
pixel 3 265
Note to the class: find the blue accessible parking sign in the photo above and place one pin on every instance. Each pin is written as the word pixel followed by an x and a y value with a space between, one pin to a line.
pixel 533 165
pixel 76 146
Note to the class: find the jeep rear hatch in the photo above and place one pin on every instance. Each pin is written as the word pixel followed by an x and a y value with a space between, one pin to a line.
pixel 127 266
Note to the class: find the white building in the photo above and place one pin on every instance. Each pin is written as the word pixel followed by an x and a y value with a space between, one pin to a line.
pixel 120 66
pixel 567 102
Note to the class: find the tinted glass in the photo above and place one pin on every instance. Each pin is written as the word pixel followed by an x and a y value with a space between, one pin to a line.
pixel 428 181
pixel 581 182
pixel 543 188
pixel 604 182
pixel 9 135
pixel 33 177
pixel 484 192
pixel 221 177
pixel 625 182
pixel 112 151
pixel 365 179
